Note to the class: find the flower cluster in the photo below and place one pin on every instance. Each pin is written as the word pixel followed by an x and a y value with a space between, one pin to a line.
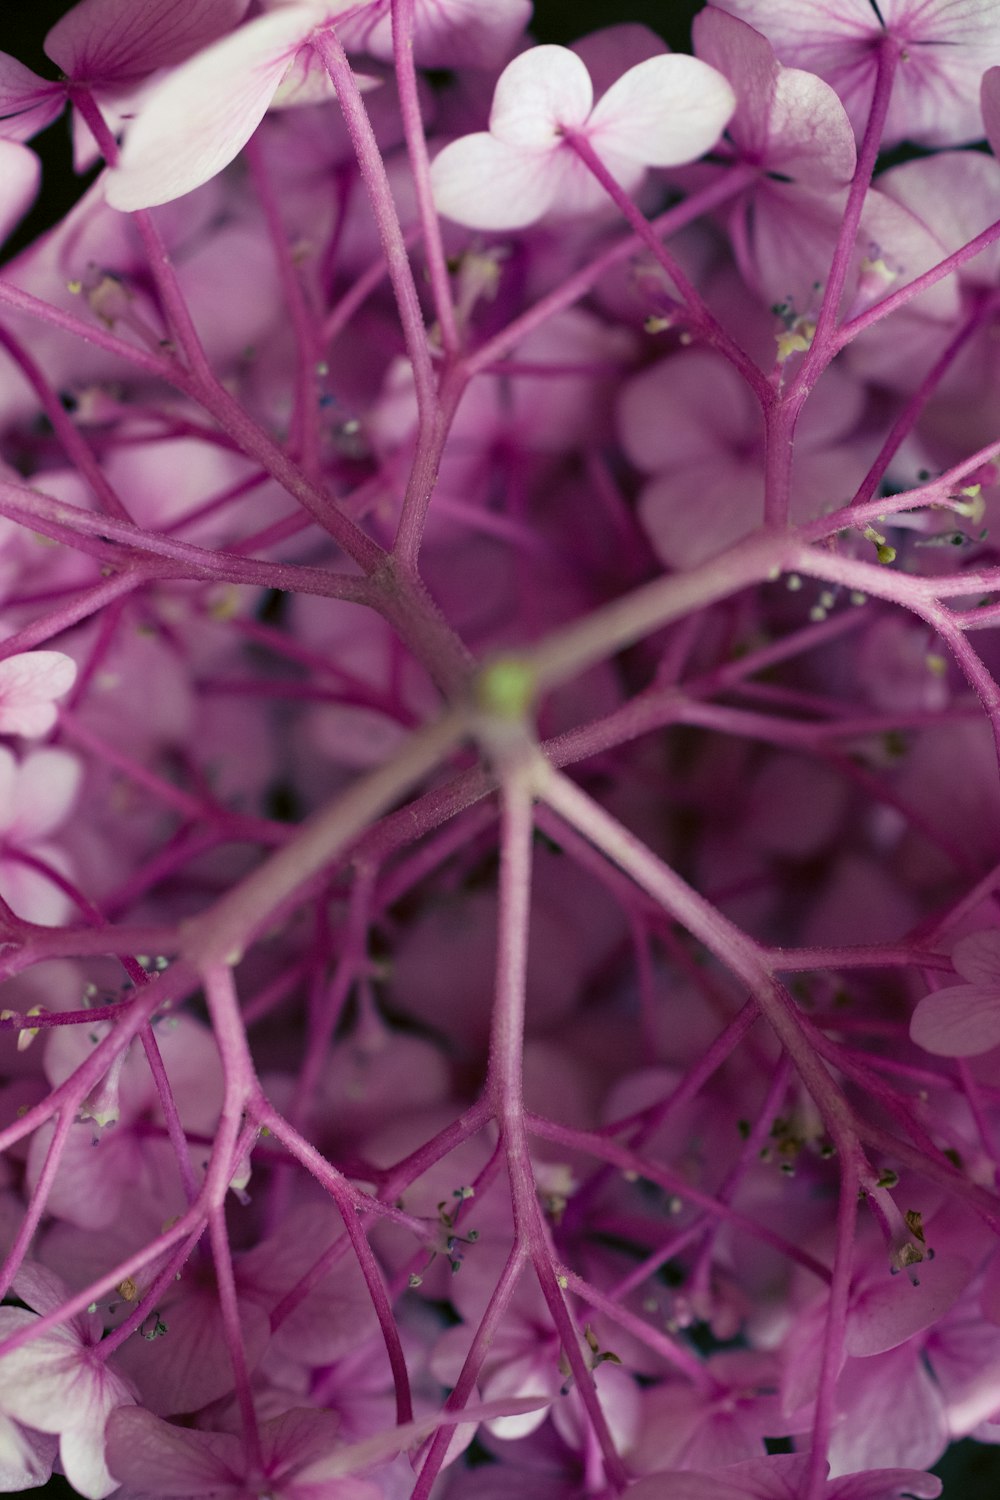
pixel 499 719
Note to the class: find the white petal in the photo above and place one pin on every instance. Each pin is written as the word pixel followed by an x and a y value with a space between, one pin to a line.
pixel 538 95
pixel 207 110
pixel 487 184
pixel 28 684
pixel 665 111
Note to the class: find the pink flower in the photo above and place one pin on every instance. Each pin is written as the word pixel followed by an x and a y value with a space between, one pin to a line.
pixel 945 45
pixel 662 112
pixel 58 1382
pixel 791 126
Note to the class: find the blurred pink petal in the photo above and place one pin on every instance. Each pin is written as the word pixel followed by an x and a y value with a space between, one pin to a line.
pixel 28 685
pixel 101 40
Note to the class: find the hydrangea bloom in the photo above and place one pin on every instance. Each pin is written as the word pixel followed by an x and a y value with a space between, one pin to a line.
pixel 499 736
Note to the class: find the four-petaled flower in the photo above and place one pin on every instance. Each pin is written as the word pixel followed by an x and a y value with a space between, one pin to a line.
pixel 664 111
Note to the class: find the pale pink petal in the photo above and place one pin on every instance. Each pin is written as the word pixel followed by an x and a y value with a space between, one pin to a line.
pixel 54 1383
pixel 352 1458
pixel 948 44
pixel 140 1446
pixel 977 957
pixel 100 40
pixel 485 183
pixel 40 1288
pixel 47 787
pixel 8 786
pixel 784 240
pixel 990 100
pixel 29 683
pixel 204 113
pixel 81 1452
pixel 538 96
pixel 26 1457
pixel 810 136
pixel 961 1021
pixel 956 195
pixel 890 233
pixel 891 1309
pixel 27 103
pixel 689 409
pixel 964 1353
pixel 776 1478
pixel 20 174
pixel 693 514
pixel 189 1365
pixel 891 1413
pixel 747 59
pixel 665 111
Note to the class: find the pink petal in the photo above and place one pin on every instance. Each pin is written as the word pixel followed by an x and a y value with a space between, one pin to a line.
pixel 935 96
pixel 446 33
pixel 20 174
pixel 540 94
pixel 8 785
pixel 665 111
pixel 140 1446
pixel 102 40
pixel 692 408
pixel 204 113
pixel 977 957
pixel 53 1383
pixel 810 136
pixel 961 1021
pixel 354 1457
pixel 39 1287
pixel 485 183
pixel 29 683
pixel 990 100
pixel 81 1452
pixel 747 59
pixel 189 1365
pixel 26 1457
pixel 955 195
pixel 775 1478
pixel 27 103
pixel 47 786
pixel 695 513
pixel 885 1484
pixel 891 1413
pixel 891 1308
